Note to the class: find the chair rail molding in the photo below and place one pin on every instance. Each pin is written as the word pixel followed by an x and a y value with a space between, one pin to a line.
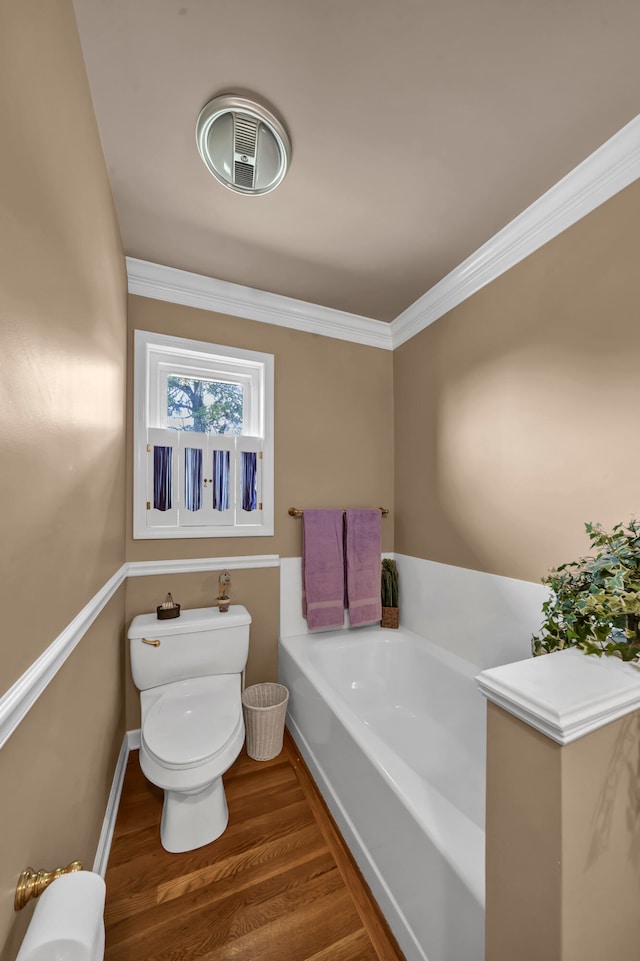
pixel 22 695
pixel 196 565
pixel 20 698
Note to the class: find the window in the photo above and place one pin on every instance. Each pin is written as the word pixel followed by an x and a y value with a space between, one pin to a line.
pixel 203 439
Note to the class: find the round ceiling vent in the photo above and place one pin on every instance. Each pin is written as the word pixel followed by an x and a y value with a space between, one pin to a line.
pixel 242 144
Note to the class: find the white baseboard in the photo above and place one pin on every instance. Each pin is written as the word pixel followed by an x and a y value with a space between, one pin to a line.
pixel 130 742
pixel 109 822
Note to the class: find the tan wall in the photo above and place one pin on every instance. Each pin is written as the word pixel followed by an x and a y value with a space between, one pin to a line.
pixel 56 769
pixel 333 448
pixel 516 414
pixel 601 844
pixel 523 842
pixel 333 425
pixel 563 843
pixel 62 350
pixel 497 409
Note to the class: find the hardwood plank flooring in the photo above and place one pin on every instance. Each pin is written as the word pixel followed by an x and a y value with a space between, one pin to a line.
pixel 280 883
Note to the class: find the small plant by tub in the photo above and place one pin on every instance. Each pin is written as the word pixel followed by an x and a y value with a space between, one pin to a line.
pixel 389 593
pixel 595 600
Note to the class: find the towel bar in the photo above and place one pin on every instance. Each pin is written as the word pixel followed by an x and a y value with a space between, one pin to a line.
pixel 295 512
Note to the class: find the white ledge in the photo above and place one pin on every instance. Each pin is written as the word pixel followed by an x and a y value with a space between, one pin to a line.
pixel 565 695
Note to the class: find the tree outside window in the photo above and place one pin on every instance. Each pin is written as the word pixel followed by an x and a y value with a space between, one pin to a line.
pixel 204 406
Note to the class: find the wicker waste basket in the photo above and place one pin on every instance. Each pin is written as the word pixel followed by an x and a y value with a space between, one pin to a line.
pixel 265 709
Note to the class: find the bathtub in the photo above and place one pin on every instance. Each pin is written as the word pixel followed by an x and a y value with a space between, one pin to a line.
pixel 392 728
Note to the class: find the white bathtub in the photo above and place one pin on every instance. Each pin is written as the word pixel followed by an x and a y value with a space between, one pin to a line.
pixel 393 729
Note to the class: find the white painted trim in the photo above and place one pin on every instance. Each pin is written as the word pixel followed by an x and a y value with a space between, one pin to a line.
pixel 195 565
pixel 130 742
pixel 615 165
pixel 194 290
pixel 152 352
pixel 606 172
pixel 111 813
pixel 19 699
pixel 565 695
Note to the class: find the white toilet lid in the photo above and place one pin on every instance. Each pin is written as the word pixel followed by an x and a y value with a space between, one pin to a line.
pixel 193 719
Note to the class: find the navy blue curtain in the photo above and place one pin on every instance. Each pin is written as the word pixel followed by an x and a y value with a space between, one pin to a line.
pixel 220 480
pixel 193 478
pixel 249 461
pixel 162 478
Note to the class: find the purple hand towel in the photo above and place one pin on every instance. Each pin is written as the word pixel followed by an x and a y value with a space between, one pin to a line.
pixel 363 549
pixel 322 569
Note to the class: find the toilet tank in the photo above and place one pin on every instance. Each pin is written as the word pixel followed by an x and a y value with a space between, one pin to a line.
pixel 199 643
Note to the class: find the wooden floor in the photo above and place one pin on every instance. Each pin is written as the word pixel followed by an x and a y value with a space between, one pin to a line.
pixel 279 884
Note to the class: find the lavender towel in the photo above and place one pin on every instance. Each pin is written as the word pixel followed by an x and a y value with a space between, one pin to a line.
pixel 363 549
pixel 322 569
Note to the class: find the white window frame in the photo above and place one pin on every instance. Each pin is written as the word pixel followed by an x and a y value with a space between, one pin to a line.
pixel 156 356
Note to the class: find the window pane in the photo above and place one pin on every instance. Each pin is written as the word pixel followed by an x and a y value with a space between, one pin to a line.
pixel 249 465
pixel 205 406
pixel 193 478
pixel 220 480
pixel 162 461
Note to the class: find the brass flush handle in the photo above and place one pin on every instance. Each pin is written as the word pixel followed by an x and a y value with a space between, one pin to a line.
pixel 153 641
pixel 32 883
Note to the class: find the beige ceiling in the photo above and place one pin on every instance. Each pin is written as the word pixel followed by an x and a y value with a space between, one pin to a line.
pixel 419 129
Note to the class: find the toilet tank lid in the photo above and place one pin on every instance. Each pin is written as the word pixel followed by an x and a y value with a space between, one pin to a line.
pixel 189 622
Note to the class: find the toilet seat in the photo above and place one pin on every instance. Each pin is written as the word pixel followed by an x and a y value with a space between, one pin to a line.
pixel 192 721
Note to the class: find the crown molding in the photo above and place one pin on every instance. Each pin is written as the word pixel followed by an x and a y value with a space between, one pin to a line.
pixel 207 293
pixel 608 170
pixel 565 695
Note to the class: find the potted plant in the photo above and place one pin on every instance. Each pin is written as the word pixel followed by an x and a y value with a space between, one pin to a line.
pixel 389 593
pixel 595 600
pixel 224 588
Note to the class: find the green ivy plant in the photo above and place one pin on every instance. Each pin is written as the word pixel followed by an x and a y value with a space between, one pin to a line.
pixel 595 600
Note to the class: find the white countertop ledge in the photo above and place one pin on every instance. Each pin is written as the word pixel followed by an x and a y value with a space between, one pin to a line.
pixel 565 695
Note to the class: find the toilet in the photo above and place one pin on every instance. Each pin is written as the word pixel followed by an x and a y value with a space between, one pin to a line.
pixel 189 671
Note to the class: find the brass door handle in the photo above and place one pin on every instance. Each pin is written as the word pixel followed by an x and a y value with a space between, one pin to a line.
pixel 154 642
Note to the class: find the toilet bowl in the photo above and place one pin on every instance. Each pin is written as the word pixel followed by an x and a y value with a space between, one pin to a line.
pixel 189 674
